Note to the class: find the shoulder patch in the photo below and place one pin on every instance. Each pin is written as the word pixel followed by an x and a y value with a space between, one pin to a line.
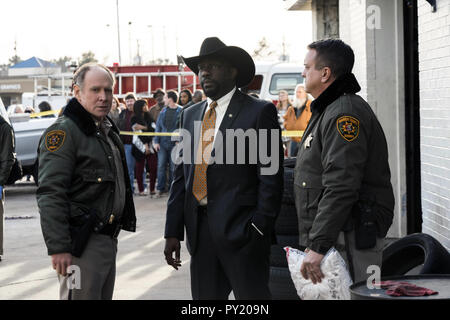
pixel 348 128
pixel 54 140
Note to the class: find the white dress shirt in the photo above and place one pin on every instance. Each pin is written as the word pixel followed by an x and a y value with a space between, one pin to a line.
pixel 222 106
pixel 221 109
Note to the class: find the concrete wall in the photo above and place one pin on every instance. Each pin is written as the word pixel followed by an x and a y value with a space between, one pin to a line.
pixel 325 17
pixel 434 66
pixel 352 29
pixel 374 30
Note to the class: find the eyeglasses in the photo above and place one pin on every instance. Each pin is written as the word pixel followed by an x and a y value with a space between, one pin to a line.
pixel 209 66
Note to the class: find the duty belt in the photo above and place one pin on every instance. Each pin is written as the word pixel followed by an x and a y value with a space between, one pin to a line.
pixel 111 230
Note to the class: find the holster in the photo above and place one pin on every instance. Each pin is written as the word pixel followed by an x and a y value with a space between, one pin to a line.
pixel 81 228
pixel 364 221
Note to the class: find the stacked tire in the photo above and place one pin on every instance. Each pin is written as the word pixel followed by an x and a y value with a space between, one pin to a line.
pixel 418 250
pixel 286 233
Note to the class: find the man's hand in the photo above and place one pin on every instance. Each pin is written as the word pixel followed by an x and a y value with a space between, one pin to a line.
pixel 173 245
pixel 61 262
pixel 1 192
pixel 311 266
pixel 156 146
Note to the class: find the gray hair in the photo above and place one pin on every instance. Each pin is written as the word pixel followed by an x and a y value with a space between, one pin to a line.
pixel 80 73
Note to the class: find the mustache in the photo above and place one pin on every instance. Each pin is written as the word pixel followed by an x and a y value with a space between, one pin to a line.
pixel 207 80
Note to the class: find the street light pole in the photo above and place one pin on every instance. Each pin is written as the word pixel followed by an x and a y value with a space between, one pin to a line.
pixel 118 31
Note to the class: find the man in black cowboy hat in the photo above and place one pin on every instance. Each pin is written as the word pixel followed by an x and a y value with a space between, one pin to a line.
pixel 228 208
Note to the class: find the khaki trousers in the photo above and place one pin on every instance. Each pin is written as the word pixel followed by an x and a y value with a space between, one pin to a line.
pixel 361 259
pixel 94 272
pixel 2 203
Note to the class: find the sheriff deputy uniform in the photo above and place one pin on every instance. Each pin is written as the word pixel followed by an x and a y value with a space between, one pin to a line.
pixel 83 173
pixel 342 186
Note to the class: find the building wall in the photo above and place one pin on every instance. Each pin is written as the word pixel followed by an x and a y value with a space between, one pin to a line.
pixel 374 30
pixel 325 13
pixel 353 31
pixel 434 67
pixel 16 72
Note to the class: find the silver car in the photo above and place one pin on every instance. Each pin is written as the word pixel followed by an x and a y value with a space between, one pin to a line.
pixel 28 132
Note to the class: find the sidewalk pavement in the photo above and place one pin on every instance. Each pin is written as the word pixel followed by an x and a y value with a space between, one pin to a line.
pixel 142 272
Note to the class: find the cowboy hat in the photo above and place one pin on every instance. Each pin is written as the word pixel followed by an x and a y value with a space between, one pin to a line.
pixel 239 58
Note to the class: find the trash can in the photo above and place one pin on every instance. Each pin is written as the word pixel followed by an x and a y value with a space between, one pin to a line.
pixel 435 282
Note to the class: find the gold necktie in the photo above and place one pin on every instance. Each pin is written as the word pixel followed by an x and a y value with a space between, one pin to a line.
pixel 199 188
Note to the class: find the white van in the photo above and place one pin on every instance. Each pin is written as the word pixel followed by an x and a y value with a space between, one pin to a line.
pixel 271 77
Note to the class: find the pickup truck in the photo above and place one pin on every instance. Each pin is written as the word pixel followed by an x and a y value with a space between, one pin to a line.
pixel 27 131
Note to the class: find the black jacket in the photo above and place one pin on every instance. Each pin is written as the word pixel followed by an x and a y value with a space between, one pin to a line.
pixel 238 194
pixel 6 150
pixel 77 173
pixel 343 157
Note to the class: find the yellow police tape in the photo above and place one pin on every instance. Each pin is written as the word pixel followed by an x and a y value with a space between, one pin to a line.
pixel 288 134
pixel 45 113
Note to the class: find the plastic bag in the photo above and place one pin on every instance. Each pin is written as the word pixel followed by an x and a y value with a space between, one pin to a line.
pixel 335 285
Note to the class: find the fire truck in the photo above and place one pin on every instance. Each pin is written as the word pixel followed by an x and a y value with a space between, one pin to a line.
pixel 143 80
pixel 270 78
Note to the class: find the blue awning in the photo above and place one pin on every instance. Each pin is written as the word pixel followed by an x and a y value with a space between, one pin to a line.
pixel 34 62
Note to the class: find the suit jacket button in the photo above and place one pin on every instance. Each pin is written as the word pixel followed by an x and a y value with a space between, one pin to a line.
pixel 304 184
pixel 99 179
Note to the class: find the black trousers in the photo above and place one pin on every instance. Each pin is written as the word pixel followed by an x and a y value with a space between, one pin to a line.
pixel 216 270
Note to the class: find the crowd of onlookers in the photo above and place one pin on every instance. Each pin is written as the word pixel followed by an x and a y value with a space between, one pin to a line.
pixel 44 106
pixel 293 116
pixel 147 155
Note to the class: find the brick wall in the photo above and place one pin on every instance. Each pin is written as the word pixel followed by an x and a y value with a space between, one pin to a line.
pixel 434 67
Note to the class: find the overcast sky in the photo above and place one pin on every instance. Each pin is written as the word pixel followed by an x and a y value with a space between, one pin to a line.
pixel 50 29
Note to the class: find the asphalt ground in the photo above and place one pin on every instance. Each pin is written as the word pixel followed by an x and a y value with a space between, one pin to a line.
pixel 142 272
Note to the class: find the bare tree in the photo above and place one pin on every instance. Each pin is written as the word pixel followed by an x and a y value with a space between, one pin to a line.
pixel 86 58
pixel 14 60
pixel 160 61
pixel 263 49
pixel 62 62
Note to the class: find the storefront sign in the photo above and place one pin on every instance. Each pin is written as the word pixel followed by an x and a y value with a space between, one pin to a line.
pixel 10 87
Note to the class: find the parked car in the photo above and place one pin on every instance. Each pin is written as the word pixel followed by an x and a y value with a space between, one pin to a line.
pixel 27 131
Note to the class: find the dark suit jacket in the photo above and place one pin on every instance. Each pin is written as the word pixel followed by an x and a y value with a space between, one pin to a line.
pixel 237 193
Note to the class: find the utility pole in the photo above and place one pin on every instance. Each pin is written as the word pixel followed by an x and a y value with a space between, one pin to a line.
pixel 153 44
pixel 129 42
pixel 118 32
pixel 284 57
pixel 164 43
pixel 138 59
